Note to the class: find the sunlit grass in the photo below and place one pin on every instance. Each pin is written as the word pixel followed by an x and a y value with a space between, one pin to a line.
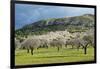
pixel 51 55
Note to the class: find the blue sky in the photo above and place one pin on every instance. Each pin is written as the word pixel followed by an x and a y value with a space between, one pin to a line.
pixel 26 14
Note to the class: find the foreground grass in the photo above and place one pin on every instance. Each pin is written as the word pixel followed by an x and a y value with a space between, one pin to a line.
pixel 51 55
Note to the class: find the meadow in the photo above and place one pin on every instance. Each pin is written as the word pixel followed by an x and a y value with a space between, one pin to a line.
pixel 51 55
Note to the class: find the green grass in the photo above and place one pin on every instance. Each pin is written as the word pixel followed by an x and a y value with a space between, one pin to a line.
pixel 51 55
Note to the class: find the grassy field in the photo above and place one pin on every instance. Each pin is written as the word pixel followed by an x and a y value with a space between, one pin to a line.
pixel 51 55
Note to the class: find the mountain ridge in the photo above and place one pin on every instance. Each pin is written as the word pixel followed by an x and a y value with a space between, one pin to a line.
pixel 54 24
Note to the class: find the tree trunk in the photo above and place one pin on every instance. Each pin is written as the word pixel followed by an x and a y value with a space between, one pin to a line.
pixel 27 50
pixel 85 50
pixel 58 49
pixel 31 51
pixel 66 45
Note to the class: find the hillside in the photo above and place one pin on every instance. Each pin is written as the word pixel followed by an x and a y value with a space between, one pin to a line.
pixel 82 22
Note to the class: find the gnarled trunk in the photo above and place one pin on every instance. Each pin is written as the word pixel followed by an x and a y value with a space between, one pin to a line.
pixel 85 50
pixel 27 50
pixel 31 51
